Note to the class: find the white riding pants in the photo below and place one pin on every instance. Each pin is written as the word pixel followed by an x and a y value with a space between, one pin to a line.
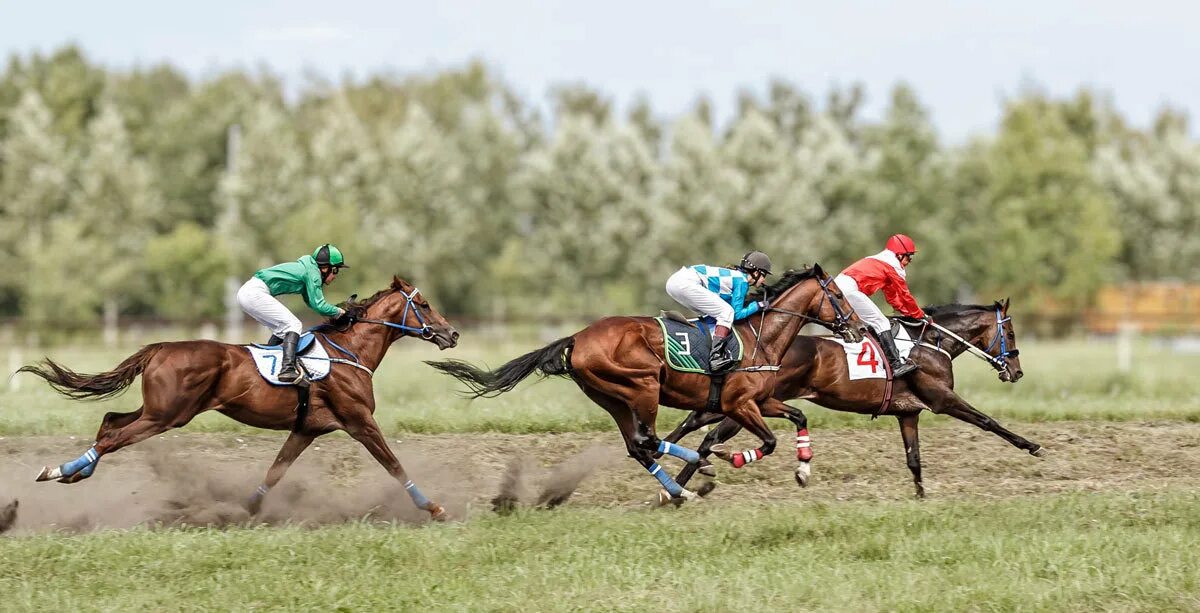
pixel 687 289
pixel 861 303
pixel 256 300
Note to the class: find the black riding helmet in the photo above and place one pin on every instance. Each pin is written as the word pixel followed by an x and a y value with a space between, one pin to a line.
pixel 756 261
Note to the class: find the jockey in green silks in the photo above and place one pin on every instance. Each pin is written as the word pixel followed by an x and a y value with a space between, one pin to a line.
pixel 304 276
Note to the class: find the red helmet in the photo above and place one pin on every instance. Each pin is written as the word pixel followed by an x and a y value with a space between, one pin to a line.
pixel 901 244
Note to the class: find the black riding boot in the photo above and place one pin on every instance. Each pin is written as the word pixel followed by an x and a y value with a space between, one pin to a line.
pixel 721 358
pixel 287 367
pixel 899 367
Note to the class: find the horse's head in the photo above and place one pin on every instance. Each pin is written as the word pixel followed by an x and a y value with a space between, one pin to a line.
pixel 402 306
pixel 990 330
pixel 811 293
pixel 1001 342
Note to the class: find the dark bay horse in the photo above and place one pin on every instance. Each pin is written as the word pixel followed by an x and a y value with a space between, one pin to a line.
pixel 619 363
pixel 815 368
pixel 183 379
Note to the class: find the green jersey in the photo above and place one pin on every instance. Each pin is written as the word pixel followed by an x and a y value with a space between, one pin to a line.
pixel 299 277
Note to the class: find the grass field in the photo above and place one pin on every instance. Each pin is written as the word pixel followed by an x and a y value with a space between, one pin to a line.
pixel 1063 381
pixel 1107 522
pixel 1127 551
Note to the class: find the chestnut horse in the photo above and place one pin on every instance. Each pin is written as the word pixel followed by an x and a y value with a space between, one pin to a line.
pixel 815 368
pixel 619 363
pixel 183 379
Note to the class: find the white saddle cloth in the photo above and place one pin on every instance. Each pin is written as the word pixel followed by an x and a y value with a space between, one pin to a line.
pixel 315 363
pixel 866 359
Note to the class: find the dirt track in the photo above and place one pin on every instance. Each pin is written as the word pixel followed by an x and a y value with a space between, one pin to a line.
pixel 201 478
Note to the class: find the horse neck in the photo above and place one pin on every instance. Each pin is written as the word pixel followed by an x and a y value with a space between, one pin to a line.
pixel 368 341
pixel 967 324
pixel 780 329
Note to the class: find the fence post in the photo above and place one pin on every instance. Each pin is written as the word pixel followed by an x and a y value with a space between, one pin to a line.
pixel 1126 333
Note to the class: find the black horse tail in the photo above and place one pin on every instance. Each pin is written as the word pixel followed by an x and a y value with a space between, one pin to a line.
pixel 94 387
pixel 552 360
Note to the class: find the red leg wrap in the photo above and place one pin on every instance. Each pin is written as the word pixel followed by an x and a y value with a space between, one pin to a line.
pixel 745 457
pixel 803 445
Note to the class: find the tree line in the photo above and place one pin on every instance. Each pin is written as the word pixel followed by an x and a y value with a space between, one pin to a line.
pixel 139 192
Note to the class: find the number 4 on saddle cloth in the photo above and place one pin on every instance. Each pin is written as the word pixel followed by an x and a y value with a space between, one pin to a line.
pixel 866 360
pixel 689 342
pixel 311 357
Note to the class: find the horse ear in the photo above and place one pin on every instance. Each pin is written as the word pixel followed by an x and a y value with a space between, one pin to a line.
pixel 397 282
pixel 817 270
pixel 1005 304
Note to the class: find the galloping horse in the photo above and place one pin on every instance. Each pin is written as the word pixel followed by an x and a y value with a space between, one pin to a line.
pixel 619 363
pixel 814 369
pixel 182 379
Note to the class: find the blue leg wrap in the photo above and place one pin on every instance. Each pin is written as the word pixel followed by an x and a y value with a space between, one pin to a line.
pixel 683 453
pixel 86 462
pixel 418 498
pixel 667 482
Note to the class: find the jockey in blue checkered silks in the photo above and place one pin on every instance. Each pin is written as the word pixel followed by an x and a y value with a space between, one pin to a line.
pixel 720 293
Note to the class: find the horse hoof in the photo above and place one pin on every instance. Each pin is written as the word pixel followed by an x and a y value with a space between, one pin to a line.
pixel 49 474
pixel 664 498
pixel 721 450
pixel 803 472
pixel 1038 452
pixel 437 513
pixel 708 470
pixel 706 488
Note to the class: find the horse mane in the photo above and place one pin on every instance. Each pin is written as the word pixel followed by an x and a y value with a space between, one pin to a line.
pixel 356 309
pixel 789 279
pixel 941 310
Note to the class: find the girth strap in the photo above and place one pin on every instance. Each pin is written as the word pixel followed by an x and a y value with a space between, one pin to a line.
pixel 301 408
pixel 714 393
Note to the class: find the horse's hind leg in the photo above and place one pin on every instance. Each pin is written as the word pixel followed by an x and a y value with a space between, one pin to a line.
pixel 723 432
pixel 295 444
pixel 363 429
pixel 108 440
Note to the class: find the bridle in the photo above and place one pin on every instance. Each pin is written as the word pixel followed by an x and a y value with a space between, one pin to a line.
pixel 425 331
pixel 998 361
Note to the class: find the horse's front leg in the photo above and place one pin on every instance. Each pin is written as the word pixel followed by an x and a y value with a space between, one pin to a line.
pixel 295 444
pixel 912 448
pixel 748 415
pixel 943 400
pixel 727 430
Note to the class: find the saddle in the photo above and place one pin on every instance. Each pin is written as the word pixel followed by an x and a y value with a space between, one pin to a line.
pixel 311 358
pixel 688 342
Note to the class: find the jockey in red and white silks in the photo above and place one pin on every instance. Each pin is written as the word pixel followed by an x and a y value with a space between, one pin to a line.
pixel 884 270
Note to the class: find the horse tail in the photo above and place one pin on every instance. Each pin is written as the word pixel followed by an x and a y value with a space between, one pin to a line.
pixel 94 387
pixel 552 360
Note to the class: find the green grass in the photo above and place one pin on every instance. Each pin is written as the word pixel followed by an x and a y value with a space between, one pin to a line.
pixel 1063 381
pixel 1069 552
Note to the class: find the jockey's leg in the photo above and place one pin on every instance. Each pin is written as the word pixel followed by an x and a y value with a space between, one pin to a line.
pixel 721 358
pixel 256 300
pixel 869 313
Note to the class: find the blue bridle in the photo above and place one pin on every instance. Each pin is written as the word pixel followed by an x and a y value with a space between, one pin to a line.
pixel 425 331
pixel 1000 360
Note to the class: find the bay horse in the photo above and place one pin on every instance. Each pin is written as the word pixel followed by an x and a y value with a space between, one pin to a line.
pixel 815 369
pixel 183 379
pixel 618 362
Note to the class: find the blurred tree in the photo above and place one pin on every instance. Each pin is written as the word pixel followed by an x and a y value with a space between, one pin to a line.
pixel 1155 180
pixel 1041 224
pixel 185 272
pixel 35 181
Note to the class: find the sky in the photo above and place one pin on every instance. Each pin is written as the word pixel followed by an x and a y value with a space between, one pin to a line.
pixel 963 58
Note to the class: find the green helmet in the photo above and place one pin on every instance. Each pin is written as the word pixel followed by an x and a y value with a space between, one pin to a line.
pixel 328 255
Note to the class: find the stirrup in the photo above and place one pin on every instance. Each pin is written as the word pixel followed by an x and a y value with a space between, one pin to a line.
pixel 903 368
pixel 290 376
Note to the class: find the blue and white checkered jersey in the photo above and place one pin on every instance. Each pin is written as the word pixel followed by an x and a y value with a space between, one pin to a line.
pixel 729 285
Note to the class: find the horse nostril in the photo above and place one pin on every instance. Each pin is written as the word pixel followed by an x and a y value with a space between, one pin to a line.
pixel 454 336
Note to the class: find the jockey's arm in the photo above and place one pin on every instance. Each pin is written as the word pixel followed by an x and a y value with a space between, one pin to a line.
pixel 315 298
pixel 896 293
pixel 741 310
